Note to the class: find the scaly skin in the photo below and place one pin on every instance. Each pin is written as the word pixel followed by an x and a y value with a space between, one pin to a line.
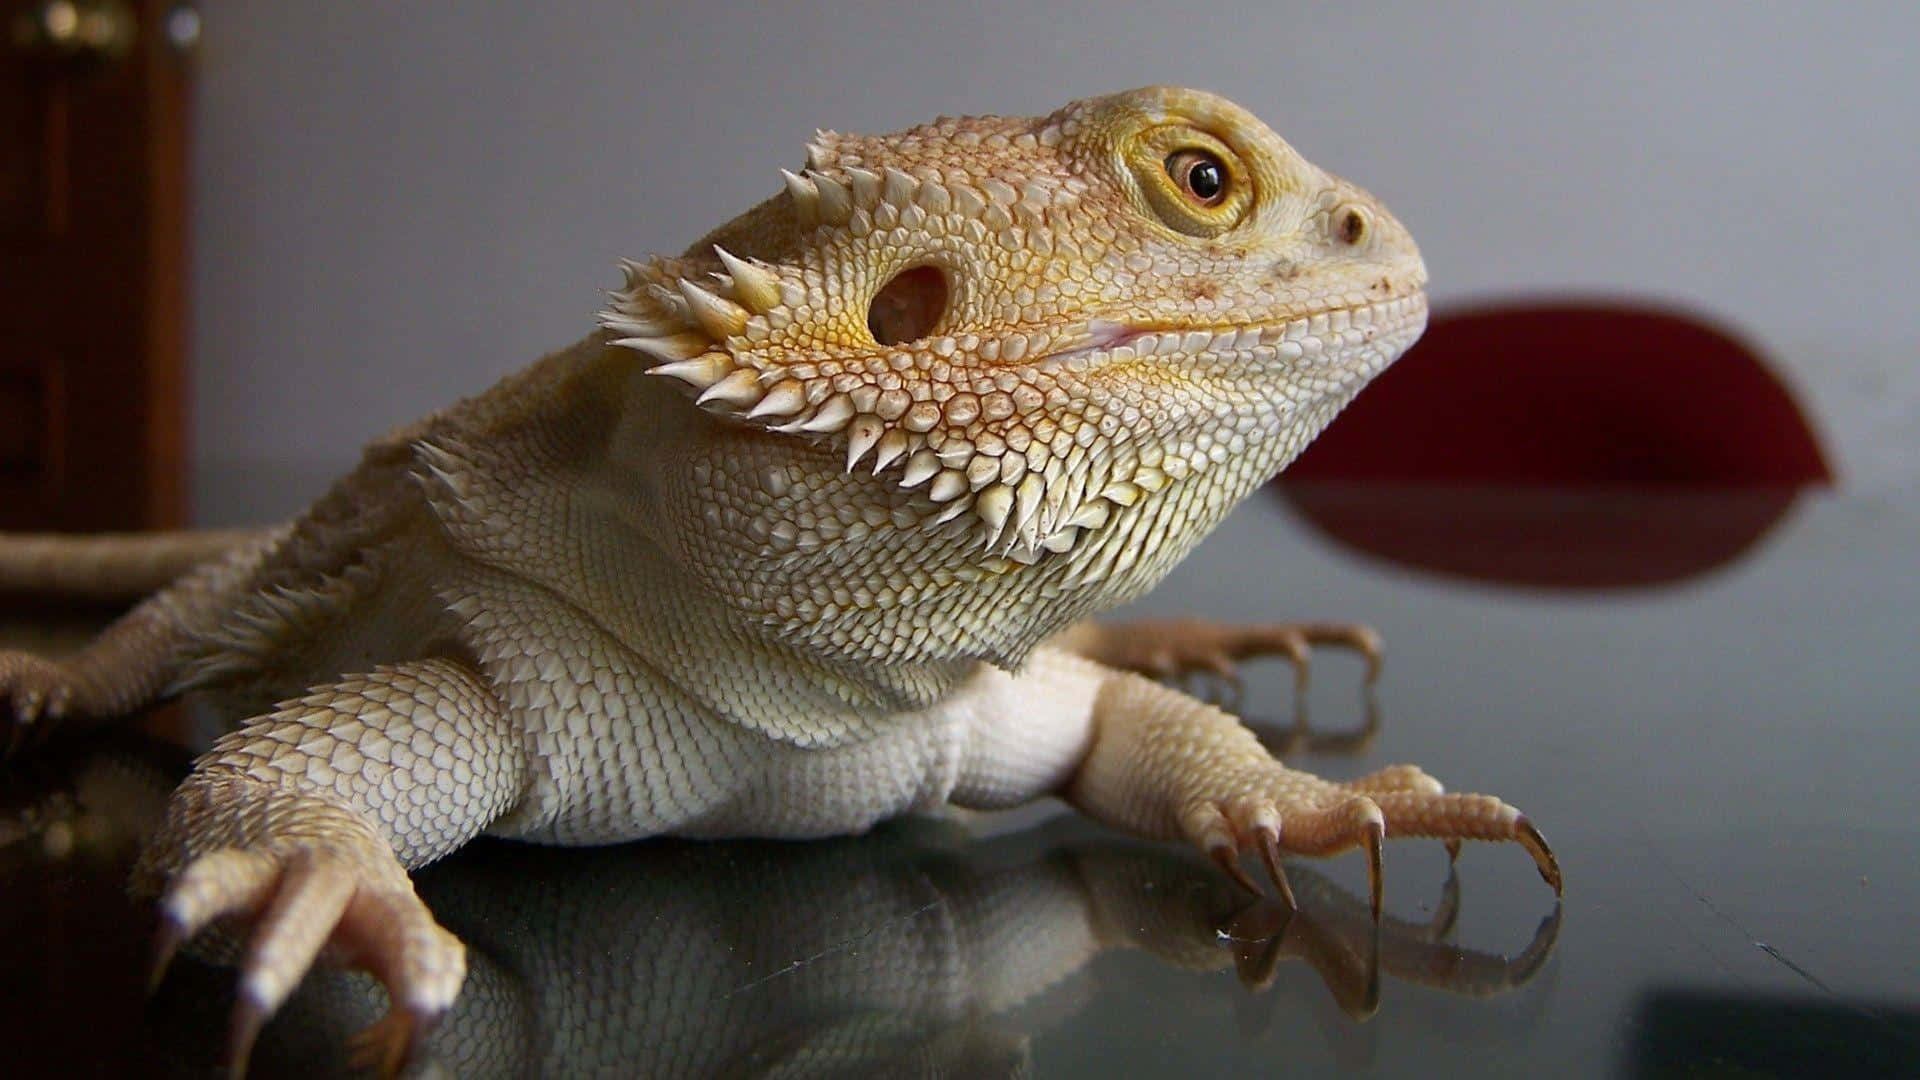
pixel 776 551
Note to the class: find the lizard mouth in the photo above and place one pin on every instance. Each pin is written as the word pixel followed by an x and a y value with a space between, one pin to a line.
pixel 1327 333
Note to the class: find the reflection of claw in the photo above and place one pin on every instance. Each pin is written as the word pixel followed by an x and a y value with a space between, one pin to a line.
pixel 1468 972
pixel 1227 858
pixel 1447 912
pixel 393 1040
pixel 1350 951
pixel 1258 947
pixel 166 945
pixel 1348 963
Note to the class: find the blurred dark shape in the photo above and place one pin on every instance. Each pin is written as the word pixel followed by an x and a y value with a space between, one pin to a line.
pixel 1564 444
pixel 1689 1032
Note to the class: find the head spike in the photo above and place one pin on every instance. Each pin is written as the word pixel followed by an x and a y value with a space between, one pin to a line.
pixel 633 278
pixel 667 298
pixel 742 387
pixel 721 319
pixel 982 470
pixel 758 289
pixel 628 323
pixel 897 187
pixel 862 434
pixel 993 505
pixel 784 398
pixel 893 444
pixel 1091 515
pixel 667 348
pixel 1029 495
pixel 866 186
pixel 968 201
pixel 922 465
pixel 954 509
pixel 805 197
pixel 933 197
pixel 948 486
pixel 832 415
pixel 699 372
pixel 836 205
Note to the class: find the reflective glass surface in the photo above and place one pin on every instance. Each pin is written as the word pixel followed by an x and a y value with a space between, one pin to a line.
pixel 1722 755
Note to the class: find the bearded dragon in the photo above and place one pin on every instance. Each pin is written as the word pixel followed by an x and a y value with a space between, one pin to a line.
pixel 802 537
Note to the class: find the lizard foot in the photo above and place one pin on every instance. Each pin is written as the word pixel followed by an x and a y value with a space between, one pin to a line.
pixel 1274 810
pixel 301 901
pixel 1169 647
pixel 39 692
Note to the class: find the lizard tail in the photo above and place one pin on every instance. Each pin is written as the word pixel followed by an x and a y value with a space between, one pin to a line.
pixel 109 566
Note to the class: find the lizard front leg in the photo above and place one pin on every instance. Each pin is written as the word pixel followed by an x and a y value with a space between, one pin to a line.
pixel 305 821
pixel 1164 765
pixel 116 673
pixel 132 662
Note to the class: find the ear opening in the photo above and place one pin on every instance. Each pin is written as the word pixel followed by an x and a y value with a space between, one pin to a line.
pixel 908 307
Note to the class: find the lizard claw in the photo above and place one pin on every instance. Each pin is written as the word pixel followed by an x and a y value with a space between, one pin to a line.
pixel 249 1016
pixel 1529 837
pixel 1226 830
pixel 40 692
pixel 1270 854
pixel 1324 818
pixel 1374 838
pixel 300 902
pixel 166 945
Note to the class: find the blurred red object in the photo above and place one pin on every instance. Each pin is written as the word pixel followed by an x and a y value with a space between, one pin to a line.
pixel 1565 444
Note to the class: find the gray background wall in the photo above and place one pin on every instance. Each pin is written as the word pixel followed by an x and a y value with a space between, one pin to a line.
pixel 397 203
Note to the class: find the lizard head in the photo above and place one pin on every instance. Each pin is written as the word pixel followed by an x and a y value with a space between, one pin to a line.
pixel 1055 334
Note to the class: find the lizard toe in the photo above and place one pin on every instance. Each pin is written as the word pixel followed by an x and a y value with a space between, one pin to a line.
pixel 302 903
pixel 1396 778
pixel 39 692
pixel 1453 818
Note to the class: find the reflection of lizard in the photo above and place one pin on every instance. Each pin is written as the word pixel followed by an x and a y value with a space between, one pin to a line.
pixel 889 954
pixel 778 551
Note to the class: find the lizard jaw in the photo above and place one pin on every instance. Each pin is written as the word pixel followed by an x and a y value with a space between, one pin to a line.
pixel 1106 338
pixel 1345 345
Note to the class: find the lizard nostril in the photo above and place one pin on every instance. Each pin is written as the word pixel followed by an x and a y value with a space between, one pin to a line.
pixel 908 307
pixel 1353 226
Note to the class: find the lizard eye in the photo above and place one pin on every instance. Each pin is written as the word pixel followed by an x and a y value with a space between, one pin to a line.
pixel 1200 175
pixel 1191 180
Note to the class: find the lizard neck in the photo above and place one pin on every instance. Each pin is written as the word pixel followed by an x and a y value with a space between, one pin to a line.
pixel 706 544
pixel 850 568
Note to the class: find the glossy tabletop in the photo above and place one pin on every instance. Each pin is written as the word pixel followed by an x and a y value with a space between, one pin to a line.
pixel 1722 753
